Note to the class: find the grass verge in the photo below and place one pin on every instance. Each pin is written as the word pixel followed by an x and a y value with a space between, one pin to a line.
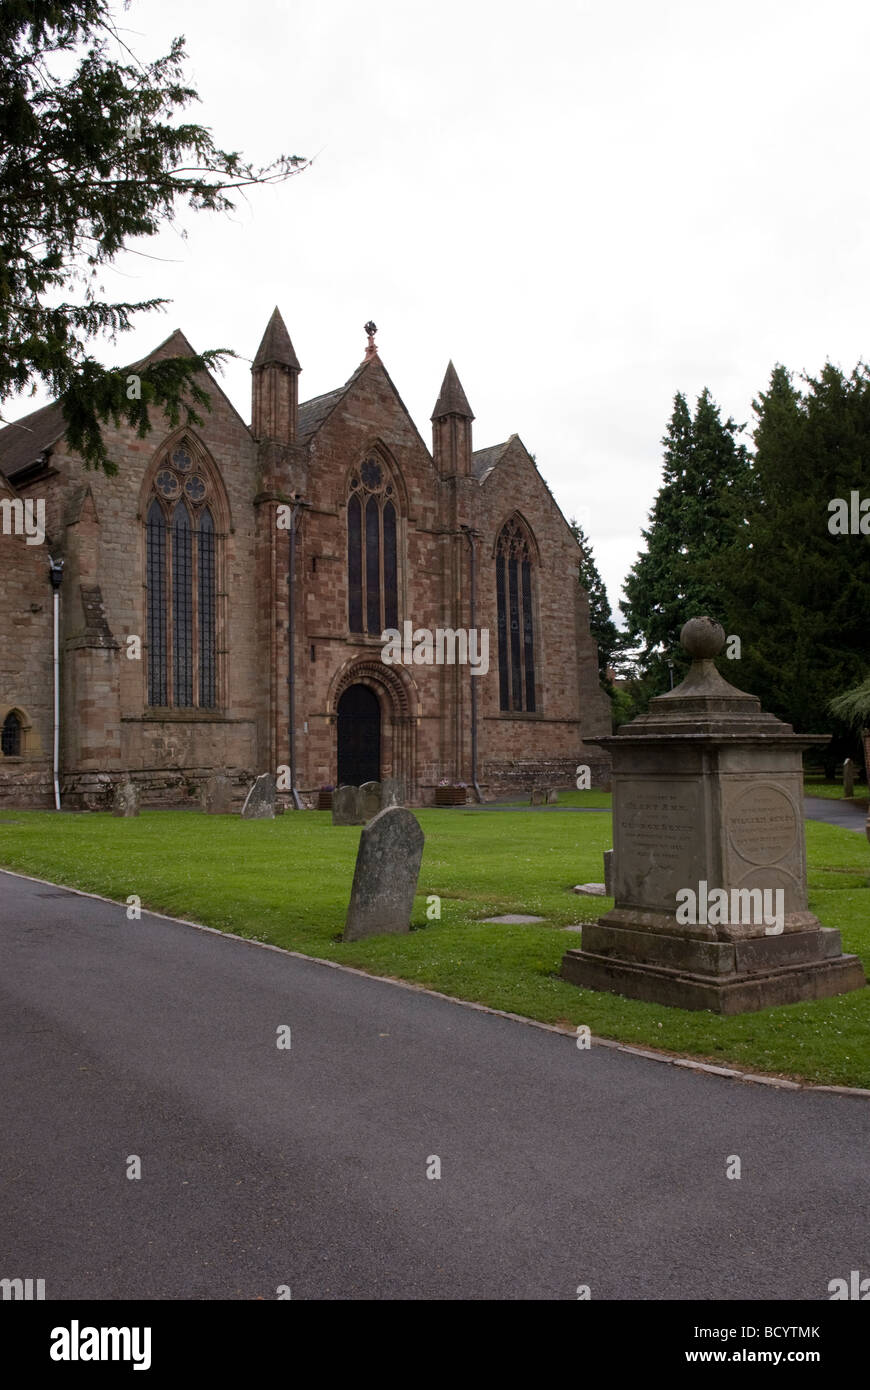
pixel 288 881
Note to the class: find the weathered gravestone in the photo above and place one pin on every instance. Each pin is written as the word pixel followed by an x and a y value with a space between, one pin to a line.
pixel 538 796
pixel 369 800
pixel 260 801
pixel 385 878
pixel 217 796
pixel 345 806
pixel 391 792
pixel 608 873
pixel 848 778
pixel 125 799
pixel 552 796
pixel 710 890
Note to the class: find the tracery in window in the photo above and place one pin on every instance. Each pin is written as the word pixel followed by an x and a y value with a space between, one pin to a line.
pixel 515 616
pixel 372 550
pixel 181 585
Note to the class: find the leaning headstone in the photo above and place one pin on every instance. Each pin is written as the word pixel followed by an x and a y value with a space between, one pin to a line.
pixel 608 873
pixel 260 801
pixel 710 883
pixel 385 879
pixel 848 778
pixel 125 799
pixel 369 800
pixel 537 797
pixel 391 792
pixel 217 796
pixel 345 806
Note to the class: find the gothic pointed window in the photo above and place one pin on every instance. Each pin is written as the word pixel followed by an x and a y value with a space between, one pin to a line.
pixel 10 740
pixel 372 550
pixel 181 561
pixel 514 582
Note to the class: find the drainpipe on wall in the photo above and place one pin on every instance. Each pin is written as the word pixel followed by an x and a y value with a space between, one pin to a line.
pixel 291 649
pixel 471 536
pixel 55 573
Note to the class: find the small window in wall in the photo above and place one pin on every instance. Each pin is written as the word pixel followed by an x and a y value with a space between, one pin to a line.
pixel 10 740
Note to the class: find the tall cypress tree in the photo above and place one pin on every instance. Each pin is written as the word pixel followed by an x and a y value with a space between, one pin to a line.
pixel 601 624
pixel 693 519
pixel 797 595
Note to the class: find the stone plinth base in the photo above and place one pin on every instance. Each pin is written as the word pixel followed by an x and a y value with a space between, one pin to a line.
pixel 723 976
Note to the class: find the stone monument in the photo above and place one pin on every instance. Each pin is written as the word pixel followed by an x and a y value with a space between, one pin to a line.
pixel 385 878
pixel 345 806
pixel 217 795
pixel 369 800
pixel 125 799
pixel 709 865
pixel 848 778
pixel 260 801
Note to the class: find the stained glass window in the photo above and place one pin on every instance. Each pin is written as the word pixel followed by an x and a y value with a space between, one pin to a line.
pixel 391 571
pixel 373 567
pixel 515 616
pixel 155 543
pixel 354 564
pixel 206 578
pixel 181 578
pixel 372 551
pixel 182 607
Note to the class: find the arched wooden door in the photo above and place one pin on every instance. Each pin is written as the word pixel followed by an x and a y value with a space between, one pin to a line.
pixel 359 737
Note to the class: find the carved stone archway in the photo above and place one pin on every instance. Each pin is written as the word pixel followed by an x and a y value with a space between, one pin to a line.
pixel 399 703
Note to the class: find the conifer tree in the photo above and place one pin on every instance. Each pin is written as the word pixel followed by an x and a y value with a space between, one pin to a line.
pixel 692 520
pixel 601 625
pixel 798 595
pixel 93 156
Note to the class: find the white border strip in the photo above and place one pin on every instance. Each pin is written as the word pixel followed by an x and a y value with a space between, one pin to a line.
pixel 688 1062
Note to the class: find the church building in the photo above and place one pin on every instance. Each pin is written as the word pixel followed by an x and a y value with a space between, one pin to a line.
pixel 317 592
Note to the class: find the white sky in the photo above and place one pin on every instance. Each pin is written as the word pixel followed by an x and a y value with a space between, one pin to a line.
pixel 587 206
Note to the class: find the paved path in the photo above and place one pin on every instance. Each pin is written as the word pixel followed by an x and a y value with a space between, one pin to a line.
pixel 307 1167
pixel 842 813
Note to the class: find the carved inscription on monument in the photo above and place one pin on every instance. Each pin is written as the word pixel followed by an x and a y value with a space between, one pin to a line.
pixel 658 827
pixel 762 824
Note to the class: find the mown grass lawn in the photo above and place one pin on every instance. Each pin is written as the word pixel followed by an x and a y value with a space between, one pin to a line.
pixel 833 791
pixel 287 881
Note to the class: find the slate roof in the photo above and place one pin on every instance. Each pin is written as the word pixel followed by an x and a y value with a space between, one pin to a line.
pixel 313 413
pixel 483 461
pixel 22 442
pixel 452 400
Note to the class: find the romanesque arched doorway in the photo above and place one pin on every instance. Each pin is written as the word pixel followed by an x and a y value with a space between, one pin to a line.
pixel 388 694
pixel 359 736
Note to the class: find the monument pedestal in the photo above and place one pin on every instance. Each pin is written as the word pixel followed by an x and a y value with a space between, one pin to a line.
pixel 709 860
pixel 727 978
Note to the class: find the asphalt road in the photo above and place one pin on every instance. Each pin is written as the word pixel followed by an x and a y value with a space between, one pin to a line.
pixel 307 1168
pixel 842 813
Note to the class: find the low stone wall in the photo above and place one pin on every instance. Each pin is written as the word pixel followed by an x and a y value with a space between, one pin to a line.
pixel 516 777
pixel 25 784
pixel 165 789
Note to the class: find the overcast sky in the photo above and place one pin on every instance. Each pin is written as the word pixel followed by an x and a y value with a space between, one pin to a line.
pixel 587 206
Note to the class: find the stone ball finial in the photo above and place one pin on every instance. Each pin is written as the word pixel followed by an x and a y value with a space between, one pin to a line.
pixel 702 638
